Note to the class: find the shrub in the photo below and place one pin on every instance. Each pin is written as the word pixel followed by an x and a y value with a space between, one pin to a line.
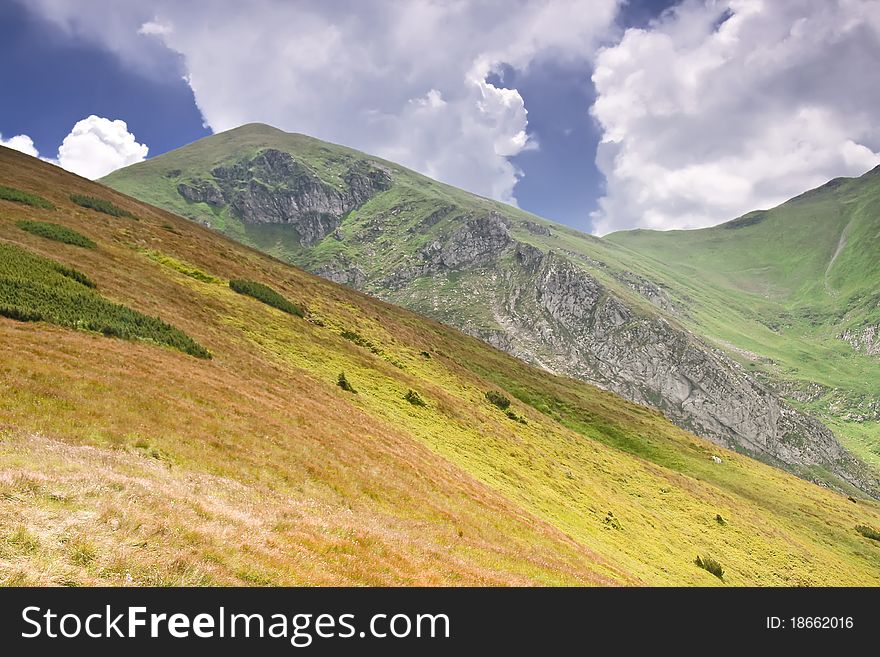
pixel 612 522
pixel 868 532
pixel 425 354
pixel 18 196
pixel 57 233
pixel 720 519
pixel 100 205
pixel 414 398
pixel 267 295
pixel 516 418
pixel 498 399
pixel 343 383
pixel 360 341
pixel 33 288
pixel 711 565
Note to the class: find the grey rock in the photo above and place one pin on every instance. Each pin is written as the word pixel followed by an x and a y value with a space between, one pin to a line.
pixel 273 187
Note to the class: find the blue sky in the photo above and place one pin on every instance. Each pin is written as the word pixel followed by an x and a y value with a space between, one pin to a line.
pixel 485 104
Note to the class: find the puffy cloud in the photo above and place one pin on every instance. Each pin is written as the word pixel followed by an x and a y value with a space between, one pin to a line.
pixel 718 108
pixel 407 81
pixel 21 143
pixel 93 148
pixel 96 146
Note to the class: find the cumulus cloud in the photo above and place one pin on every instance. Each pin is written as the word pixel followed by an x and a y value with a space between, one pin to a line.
pixel 96 146
pixel 407 81
pixel 718 108
pixel 93 148
pixel 21 143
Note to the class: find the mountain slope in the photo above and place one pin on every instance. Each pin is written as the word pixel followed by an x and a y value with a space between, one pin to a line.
pixel 130 461
pixel 545 293
pixel 796 291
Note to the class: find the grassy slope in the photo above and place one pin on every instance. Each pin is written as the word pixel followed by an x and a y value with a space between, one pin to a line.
pixel 782 289
pixel 125 458
pixel 122 457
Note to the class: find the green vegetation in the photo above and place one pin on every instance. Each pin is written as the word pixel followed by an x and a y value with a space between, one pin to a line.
pixel 711 565
pixel 343 383
pixel 57 233
pixel 182 267
pixel 498 399
pixel 37 289
pixel 414 398
pixel 868 532
pixel 267 295
pixel 720 519
pixel 100 205
pixel 18 196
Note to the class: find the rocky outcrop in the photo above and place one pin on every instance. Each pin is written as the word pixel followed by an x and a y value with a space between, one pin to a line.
pixel 201 191
pixel 274 187
pixel 865 339
pixel 575 325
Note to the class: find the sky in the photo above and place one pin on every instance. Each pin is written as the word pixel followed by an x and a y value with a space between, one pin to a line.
pixel 601 114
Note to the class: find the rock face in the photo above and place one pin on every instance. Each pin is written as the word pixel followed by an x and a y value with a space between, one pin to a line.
pixel 554 313
pixel 273 187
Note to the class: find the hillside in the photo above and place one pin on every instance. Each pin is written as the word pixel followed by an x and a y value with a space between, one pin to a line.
pixel 128 456
pixel 570 303
pixel 795 291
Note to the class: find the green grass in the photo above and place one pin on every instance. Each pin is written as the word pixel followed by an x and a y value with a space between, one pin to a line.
pixel 36 289
pixel 100 205
pixel 57 233
pixel 182 267
pixel 267 295
pixel 18 196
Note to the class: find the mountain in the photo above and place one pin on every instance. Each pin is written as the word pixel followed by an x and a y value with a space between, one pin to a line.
pixel 171 413
pixel 794 292
pixel 568 302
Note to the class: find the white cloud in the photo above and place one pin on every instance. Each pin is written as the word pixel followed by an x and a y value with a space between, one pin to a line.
pixel 403 80
pixel 21 143
pixel 96 146
pixel 93 148
pixel 719 108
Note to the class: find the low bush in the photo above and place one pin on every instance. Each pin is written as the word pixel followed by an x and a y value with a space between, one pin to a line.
pixel 498 400
pixel 414 398
pixel 711 565
pixel 33 288
pixel 100 205
pixel 267 295
pixel 720 519
pixel 868 532
pixel 343 383
pixel 57 233
pixel 18 196
pixel 516 418
pixel 360 341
